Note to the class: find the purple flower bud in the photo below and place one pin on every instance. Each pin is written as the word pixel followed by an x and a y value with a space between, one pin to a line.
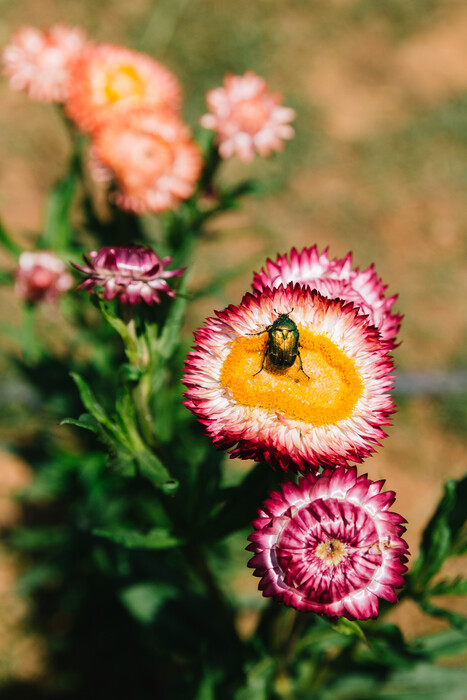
pixel 132 273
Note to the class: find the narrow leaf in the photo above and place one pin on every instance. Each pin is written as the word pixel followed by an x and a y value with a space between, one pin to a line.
pixel 170 333
pixel 448 643
pixel 90 402
pixel 455 619
pixel 158 538
pixel 152 469
pixel 7 243
pixel 456 586
pixel 85 421
pixel 440 533
pixel 350 627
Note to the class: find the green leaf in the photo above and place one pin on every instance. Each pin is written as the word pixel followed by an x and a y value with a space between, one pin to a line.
pixel 439 535
pixel 90 402
pixel 350 628
pixel 448 643
pixel 168 339
pixel 258 681
pixel 38 538
pixel 129 373
pixel 425 682
pixel 85 421
pixel 421 682
pixel 455 619
pixel 40 575
pixel 456 586
pixel 144 600
pixel 387 647
pixel 116 323
pixel 158 538
pixel 152 469
pixel 7 243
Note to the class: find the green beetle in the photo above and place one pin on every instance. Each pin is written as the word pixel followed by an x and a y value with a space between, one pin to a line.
pixel 282 348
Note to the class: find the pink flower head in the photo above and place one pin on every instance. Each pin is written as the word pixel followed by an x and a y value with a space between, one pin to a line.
pixel 133 273
pixel 41 276
pixel 108 80
pixel 335 278
pixel 247 118
pixel 39 62
pixel 327 407
pixel 152 158
pixel 330 545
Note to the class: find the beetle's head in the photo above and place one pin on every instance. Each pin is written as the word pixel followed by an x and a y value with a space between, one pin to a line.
pixel 283 315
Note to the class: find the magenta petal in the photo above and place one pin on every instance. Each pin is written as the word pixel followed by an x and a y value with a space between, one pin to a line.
pixel 133 273
pixel 333 551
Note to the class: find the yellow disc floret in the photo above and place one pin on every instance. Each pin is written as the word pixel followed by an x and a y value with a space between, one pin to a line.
pixel 328 394
pixel 124 83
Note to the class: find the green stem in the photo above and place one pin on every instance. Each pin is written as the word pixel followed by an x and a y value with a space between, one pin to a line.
pixel 30 347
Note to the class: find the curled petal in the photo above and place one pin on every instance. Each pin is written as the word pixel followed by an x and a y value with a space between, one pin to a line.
pixel 133 273
pixel 319 551
pixel 326 404
pixel 334 278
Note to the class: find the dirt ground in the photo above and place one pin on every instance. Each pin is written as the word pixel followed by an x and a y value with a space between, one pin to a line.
pixel 378 166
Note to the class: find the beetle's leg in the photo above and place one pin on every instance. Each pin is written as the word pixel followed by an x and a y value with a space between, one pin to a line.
pixel 264 357
pixel 301 366
pixel 266 330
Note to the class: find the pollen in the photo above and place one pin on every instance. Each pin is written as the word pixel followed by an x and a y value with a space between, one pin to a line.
pixel 327 395
pixel 331 552
pixel 123 83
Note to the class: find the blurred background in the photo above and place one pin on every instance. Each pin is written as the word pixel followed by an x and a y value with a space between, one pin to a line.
pixel 378 166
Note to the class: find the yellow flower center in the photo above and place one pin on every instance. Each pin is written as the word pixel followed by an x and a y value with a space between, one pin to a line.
pixel 327 395
pixel 331 552
pixel 124 83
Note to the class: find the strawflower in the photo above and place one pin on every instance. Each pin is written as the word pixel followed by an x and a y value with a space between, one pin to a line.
pixel 334 278
pixel 330 545
pixel 328 407
pixel 247 118
pixel 39 61
pixel 108 80
pixel 41 276
pixel 131 273
pixel 152 158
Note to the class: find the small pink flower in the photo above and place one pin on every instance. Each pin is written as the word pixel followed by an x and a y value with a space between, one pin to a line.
pixel 109 80
pixel 247 118
pixel 328 407
pixel 330 545
pixel 132 273
pixel 152 158
pixel 41 276
pixel 335 279
pixel 39 61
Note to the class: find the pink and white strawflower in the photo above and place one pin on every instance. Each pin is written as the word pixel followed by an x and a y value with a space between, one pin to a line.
pixel 330 545
pixel 150 156
pixel 39 61
pixel 108 80
pixel 328 407
pixel 41 276
pixel 247 118
pixel 334 278
pixel 131 273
